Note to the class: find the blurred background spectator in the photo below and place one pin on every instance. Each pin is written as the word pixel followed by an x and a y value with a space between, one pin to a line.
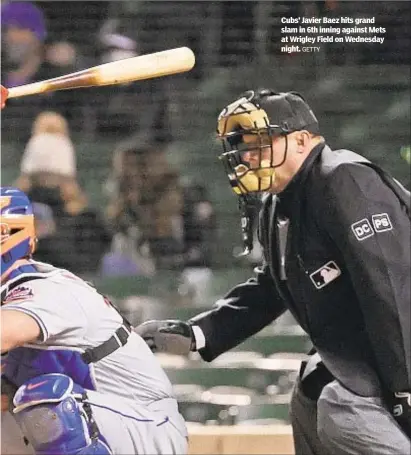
pixel 30 53
pixel 131 107
pixel 24 32
pixel 49 156
pixel 73 233
pixel 160 223
pixel 50 243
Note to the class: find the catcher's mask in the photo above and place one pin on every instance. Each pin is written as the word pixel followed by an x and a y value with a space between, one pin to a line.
pixel 248 127
pixel 18 239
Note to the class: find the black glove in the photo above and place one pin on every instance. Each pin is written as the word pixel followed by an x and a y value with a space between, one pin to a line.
pixel 170 336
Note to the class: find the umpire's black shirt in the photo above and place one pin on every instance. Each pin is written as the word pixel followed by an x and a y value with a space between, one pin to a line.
pixel 344 228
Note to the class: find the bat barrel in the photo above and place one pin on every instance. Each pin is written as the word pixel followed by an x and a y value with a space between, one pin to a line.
pixel 143 67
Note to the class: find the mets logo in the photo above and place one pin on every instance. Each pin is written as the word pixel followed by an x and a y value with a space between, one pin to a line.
pixel 19 293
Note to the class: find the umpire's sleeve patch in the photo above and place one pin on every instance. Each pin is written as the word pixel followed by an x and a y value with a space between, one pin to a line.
pixel 381 222
pixel 362 229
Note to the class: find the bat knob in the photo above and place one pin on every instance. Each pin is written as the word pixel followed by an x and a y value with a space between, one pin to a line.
pixel 3 97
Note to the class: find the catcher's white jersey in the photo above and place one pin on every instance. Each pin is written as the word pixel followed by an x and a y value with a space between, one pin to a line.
pixel 129 382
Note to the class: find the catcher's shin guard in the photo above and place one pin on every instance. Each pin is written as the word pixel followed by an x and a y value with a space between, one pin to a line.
pixel 55 418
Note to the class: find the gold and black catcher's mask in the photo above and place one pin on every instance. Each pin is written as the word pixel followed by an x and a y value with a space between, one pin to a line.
pixel 245 117
pixel 260 115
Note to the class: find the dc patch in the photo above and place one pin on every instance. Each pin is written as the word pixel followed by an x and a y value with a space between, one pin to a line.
pixel 325 275
pixel 362 229
pixel 381 222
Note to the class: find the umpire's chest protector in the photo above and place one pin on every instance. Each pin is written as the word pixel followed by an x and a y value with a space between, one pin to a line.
pixel 306 269
pixel 306 266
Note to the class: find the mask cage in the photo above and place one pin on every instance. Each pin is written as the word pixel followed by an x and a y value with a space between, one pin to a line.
pixel 234 149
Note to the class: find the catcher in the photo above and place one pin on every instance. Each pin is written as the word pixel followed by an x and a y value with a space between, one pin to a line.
pixel 79 380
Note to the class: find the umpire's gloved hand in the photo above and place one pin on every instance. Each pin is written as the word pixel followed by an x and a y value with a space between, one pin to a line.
pixel 170 336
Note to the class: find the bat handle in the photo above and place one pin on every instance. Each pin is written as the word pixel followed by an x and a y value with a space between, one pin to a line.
pixel 28 89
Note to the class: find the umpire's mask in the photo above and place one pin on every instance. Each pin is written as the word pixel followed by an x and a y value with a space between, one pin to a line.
pixel 247 128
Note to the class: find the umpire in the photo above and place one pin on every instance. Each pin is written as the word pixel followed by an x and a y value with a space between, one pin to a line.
pixel 335 231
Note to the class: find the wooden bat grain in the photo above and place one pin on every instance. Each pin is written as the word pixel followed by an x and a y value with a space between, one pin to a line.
pixel 158 64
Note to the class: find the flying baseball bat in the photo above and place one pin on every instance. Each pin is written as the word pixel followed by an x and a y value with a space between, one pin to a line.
pixel 143 67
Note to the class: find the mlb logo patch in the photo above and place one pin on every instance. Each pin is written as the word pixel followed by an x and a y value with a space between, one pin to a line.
pixel 362 229
pixel 325 275
pixel 381 222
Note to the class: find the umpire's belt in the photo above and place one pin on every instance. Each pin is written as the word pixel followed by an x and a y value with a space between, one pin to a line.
pixel 118 340
pixel 314 376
